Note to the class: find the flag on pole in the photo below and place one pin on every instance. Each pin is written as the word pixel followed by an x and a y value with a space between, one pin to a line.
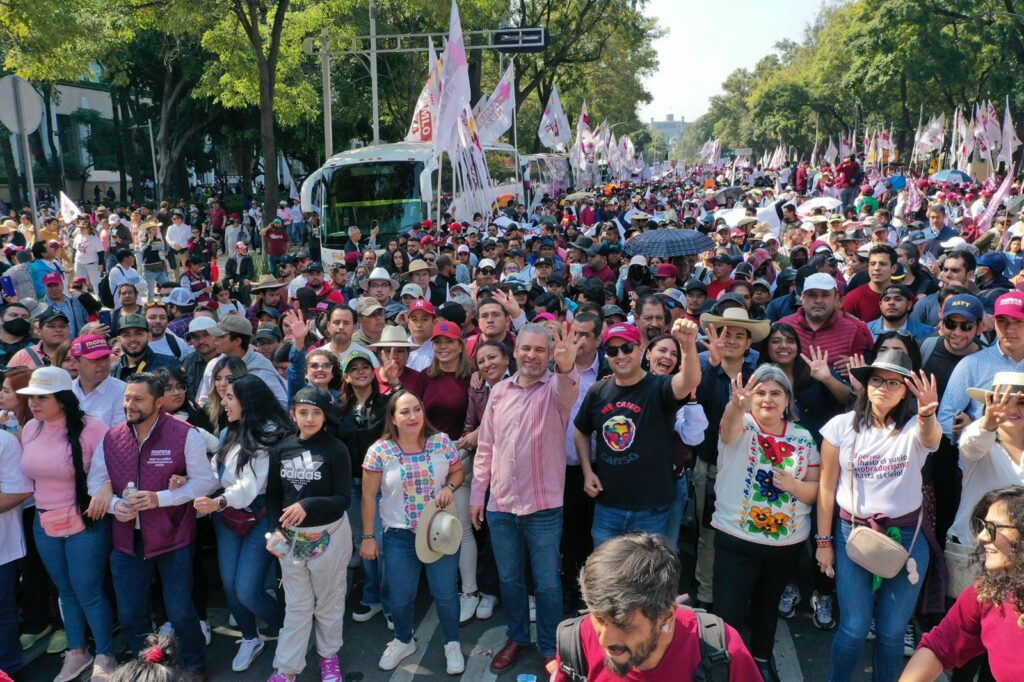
pixel 1010 141
pixel 496 116
pixel 554 126
pixel 996 202
pixel 454 86
pixel 845 146
pixel 421 129
pixel 915 198
pixel 286 176
pixel 831 153
pixel 69 212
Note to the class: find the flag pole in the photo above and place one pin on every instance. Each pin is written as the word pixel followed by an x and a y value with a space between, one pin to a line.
pixel 515 109
pixel 917 134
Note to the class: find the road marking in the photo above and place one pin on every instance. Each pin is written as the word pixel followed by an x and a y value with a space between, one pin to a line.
pixel 488 676
pixel 422 636
pixel 786 660
pixel 479 662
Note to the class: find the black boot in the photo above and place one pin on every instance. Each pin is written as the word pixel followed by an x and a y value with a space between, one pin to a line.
pixel 767 669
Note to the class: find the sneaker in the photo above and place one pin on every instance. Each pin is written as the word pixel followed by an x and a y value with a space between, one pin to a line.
pixel 455 663
pixel 822 606
pixel 248 650
pixel 279 676
pixel 910 639
pixel 533 609
pixel 467 607
pixel 486 608
pixel 330 670
pixel 395 652
pixel 390 623
pixel 788 601
pixel 204 625
pixel 871 631
pixel 75 661
pixel 364 612
pixel 58 643
pixel 30 640
pixel 102 668
pixel 166 630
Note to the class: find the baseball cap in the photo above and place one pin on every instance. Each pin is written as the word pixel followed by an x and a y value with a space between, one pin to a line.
pixel 896 289
pixel 954 243
pixel 232 324
pixel 452 312
pixel 695 285
pixel 964 304
pixel 201 324
pixel 612 309
pixel 414 290
pixel 53 278
pixel 133 321
pixel 626 332
pixel 367 305
pixel 820 281
pixel 90 347
pixel 181 297
pixel 354 355
pixel 47 381
pixel 424 305
pixel 447 329
pixel 268 332
pixel 994 261
pixel 542 261
pixel 313 266
pixel 722 258
pixel 1010 305
pixel 638 260
pixel 486 263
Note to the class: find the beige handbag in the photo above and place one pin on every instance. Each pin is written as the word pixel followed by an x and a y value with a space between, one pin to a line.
pixel 874 551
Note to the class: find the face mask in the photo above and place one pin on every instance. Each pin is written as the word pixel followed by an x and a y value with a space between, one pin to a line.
pixel 17 327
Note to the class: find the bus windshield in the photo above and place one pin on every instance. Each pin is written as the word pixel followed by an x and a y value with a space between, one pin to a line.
pixel 386 193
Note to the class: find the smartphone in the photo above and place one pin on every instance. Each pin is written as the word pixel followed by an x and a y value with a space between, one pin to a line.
pixel 8 285
pixel 106 318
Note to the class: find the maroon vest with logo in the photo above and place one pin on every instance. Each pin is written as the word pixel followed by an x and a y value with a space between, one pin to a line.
pixel 150 467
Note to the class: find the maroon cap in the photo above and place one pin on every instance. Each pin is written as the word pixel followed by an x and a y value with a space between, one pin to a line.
pixel 666 270
pixel 53 278
pixel 627 332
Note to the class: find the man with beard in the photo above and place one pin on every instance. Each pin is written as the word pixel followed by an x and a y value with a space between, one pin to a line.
pixel 155 527
pixel 136 355
pixel 957 268
pixel 234 336
pixel 161 340
pixel 895 305
pixel 635 626
pixel 205 346
pixel 341 326
pixel 651 318
pixel 864 302
pixel 268 295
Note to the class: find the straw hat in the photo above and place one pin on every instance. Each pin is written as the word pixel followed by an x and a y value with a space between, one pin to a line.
pixel 438 533
pixel 738 317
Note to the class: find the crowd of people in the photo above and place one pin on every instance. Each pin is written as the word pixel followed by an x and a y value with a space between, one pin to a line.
pixel 826 404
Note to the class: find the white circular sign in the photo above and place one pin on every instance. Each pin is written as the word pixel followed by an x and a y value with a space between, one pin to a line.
pixel 31 104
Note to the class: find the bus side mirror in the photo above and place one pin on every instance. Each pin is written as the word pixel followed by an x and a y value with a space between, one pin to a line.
pixel 426 186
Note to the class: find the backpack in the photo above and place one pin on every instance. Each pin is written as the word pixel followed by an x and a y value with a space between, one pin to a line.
pixel 714 650
pixel 103 289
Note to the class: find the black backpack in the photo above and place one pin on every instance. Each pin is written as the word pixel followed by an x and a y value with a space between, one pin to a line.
pixel 714 650
pixel 103 289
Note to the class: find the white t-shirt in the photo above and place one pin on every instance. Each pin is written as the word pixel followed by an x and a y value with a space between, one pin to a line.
pixel 87 249
pixel 747 505
pixel 888 466
pixel 986 467
pixel 12 480
pixel 409 480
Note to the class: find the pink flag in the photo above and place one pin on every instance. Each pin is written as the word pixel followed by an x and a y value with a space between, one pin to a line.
pixel 454 86
pixel 995 203
pixel 496 116
pixel 915 199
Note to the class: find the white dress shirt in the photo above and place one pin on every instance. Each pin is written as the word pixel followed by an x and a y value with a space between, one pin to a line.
pixel 105 402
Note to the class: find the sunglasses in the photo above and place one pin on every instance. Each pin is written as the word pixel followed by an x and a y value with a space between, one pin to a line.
pixel 953 325
pixel 626 349
pixel 319 365
pixel 979 525
pixel 486 271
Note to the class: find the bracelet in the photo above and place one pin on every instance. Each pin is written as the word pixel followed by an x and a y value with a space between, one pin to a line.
pixel 368 537
pixel 926 416
pixel 824 538
pixel 450 487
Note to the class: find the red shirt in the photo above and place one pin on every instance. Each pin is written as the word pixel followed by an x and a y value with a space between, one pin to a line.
pixel 276 242
pixel 971 629
pixel 715 288
pixel 842 336
pixel 863 303
pixel 679 662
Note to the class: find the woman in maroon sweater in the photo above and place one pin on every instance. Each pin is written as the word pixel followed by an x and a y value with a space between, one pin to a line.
pixel 446 395
pixel 988 615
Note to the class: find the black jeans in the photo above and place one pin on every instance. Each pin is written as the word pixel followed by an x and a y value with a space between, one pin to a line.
pixel 577 518
pixel 749 579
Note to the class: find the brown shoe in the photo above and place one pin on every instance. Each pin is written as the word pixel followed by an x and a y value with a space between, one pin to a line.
pixel 506 656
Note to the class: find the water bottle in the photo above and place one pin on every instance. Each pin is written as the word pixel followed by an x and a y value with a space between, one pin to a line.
pixel 129 490
pixel 11 423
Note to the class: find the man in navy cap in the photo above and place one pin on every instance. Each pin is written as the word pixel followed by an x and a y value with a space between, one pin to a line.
pixel 991 278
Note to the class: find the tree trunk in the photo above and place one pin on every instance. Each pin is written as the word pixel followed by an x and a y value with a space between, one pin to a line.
pixel 122 194
pixel 14 185
pixel 905 113
pixel 267 141
pixel 131 150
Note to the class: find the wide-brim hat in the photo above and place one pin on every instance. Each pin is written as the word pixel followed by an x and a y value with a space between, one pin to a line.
pixel 1002 380
pixel 890 360
pixel 438 534
pixel 418 265
pixel 266 282
pixel 380 274
pixel 393 337
pixel 738 317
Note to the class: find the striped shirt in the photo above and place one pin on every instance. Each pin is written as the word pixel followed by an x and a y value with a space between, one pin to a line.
pixel 974 371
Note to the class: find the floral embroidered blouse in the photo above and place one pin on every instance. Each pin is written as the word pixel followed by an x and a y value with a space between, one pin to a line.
pixel 747 503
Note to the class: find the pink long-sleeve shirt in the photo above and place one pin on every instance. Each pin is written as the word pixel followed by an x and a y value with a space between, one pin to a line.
pixel 47 459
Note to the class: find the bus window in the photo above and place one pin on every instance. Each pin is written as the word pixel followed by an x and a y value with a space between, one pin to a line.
pixel 387 193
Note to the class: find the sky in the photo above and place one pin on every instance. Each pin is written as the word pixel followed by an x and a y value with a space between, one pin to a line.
pixel 706 41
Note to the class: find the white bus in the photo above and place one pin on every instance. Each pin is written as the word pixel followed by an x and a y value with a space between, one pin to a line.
pixel 395 186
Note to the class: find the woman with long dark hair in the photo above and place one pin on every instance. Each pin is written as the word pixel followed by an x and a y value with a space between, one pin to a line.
pixel 446 396
pixel 59 442
pixel 256 423
pixel 871 461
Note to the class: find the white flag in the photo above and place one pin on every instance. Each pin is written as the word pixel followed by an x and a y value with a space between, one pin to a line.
pixel 497 114
pixel 421 129
pixel 831 153
pixel 454 86
pixel 1010 140
pixel 554 126
pixel 68 211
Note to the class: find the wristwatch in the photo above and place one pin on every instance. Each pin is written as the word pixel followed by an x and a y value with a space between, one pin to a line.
pixel 222 503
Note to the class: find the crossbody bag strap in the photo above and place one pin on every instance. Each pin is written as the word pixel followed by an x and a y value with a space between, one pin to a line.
pixel 853 498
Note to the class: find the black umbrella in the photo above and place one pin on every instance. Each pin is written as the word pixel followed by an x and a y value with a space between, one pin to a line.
pixel 668 243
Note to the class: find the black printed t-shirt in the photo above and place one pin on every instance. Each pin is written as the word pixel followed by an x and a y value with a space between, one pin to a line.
pixel 635 431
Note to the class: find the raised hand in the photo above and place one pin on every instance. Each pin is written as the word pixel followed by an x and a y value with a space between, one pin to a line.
pixel 852 362
pixel 685 332
pixel 996 404
pixel 715 345
pixel 818 362
pixel 742 392
pixel 924 388
pixel 299 327
pixel 508 302
pixel 565 352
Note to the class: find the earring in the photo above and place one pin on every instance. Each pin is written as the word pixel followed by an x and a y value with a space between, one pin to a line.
pixel 665 628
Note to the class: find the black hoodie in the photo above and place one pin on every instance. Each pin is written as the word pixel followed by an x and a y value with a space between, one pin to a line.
pixel 316 473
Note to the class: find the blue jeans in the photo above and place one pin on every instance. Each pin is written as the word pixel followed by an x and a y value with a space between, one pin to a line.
pixel 153 279
pixel 610 522
pixel 243 561
pixel 274 261
pixel 11 658
pixel 403 568
pixel 77 565
pixel 676 511
pixel 537 536
pixel 892 606
pixel 848 196
pixel 132 577
pixel 297 233
pixel 375 589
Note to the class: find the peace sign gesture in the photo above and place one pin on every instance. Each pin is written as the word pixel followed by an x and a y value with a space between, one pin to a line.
pixel 996 404
pixel 924 389
pixel 715 345
pixel 818 362
pixel 742 393
pixel 565 352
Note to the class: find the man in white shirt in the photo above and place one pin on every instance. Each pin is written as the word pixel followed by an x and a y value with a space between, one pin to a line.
pixel 177 238
pixel 161 340
pixel 125 273
pixel 99 394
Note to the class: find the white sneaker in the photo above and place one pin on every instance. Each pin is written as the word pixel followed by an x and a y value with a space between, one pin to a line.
pixel 455 664
pixel 204 625
pixel 395 652
pixel 467 607
pixel 486 608
pixel 390 623
pixel 166 630
pixel 247 653
pixel 75 662
pixel 364 612
pixel 533 609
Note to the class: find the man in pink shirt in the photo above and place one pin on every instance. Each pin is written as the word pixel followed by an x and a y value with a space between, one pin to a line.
pixel 521 458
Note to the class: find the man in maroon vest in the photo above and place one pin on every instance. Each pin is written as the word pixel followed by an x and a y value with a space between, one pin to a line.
pixel 155 526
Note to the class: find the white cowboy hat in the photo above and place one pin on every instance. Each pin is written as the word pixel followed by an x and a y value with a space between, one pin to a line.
pixel 438 533
pixel 1002 380
pixel 379 274
pixel 738 317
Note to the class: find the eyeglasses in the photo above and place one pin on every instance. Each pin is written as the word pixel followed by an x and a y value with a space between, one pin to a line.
pixel 979 525
pixel 878 382
pixel 174 388
pixel 626 349
pixel 319 365
pixel 953 325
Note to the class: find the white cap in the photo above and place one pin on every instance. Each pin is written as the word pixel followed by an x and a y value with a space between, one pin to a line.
pixel 200 324
pixel 486 263
pixel 821 281
pixel 462 249
pixel 414 290
pixel 638 260
pixel 46 381
pixel 954 243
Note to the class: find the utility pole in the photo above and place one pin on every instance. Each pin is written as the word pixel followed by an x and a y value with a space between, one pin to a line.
pixel 325 74
pixel 373 72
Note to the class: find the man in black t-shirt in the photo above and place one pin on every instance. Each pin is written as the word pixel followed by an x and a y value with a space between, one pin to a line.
pixel 633 414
